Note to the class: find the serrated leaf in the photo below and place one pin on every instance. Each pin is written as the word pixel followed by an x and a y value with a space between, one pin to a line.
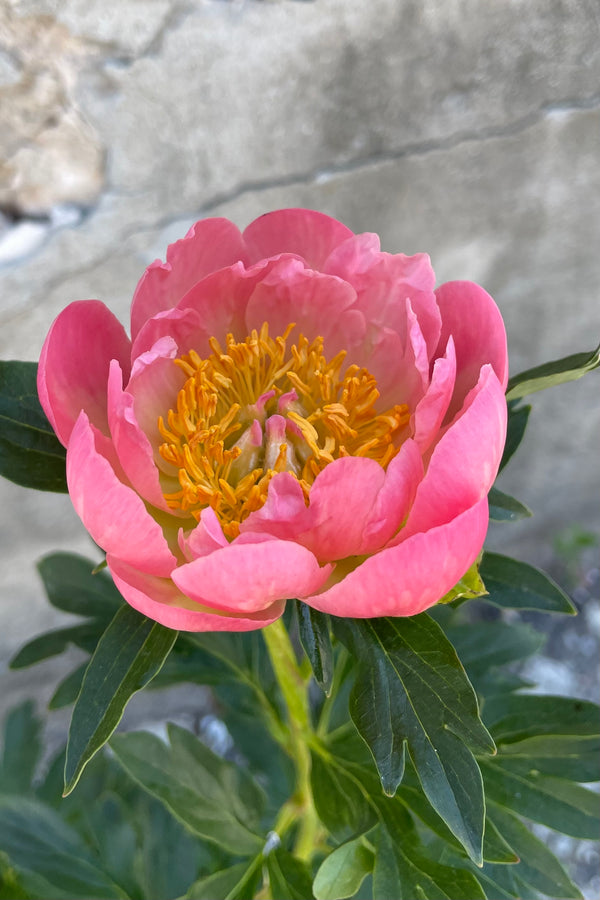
pixel 411 688
pixel 504 508
pixel 552 373
pixel 316 640
pixel 403 869
pixel 517 423
pixel 129 654
pixel 538 866
pixel 513 584
pixel 21 749
pixel 211 797
pixel 53 643
pixel 30 453
pixel 555 802
pixel 72 586
pixel 290 878
pixel 238 882
pixel 49 855
pixel 341 874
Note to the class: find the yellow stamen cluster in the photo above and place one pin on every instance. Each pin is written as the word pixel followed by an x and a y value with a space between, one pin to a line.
pixel 217 437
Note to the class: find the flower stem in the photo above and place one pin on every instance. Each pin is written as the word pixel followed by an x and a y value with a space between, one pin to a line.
pixel 294 687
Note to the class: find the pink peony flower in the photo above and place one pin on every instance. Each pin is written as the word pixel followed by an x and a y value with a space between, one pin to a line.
pixel 297 415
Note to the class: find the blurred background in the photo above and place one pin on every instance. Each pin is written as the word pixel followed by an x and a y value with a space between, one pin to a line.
pixel 467 129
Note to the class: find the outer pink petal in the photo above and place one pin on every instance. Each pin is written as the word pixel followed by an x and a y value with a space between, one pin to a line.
pixel 113 513
pixel 355 507
pixel 472 318
pixel 406 579
pixel 250 574
pixel 319 304
pixel 132 447
pixel 304 232
pixel 159 599
pixel 73 368
pixel 465 462
pixel 209 245
pixel 431 409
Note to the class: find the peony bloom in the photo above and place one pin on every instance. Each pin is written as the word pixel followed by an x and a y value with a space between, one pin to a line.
pixel 297 414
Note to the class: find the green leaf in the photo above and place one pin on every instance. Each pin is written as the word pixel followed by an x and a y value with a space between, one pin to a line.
pixel 504 508
pixel 238 882
pixel 68 689
pixel 513 584
pixel 538 866
pixel 128 656
pixel 515 718
pixel 290 878
pixel 30 453
pixel 517 423
pixel 316 640
pixel 469 587
pixel 483 645
pixel 552 373
pixel 495 848
pixel 72 586
pixel 341 874
pixel 212 797
pixel 342 795
pixel 553 735
pixel 52 643
pixel 22 749
pixel 411 688
pixel 404 870
pixel 51 858
pixel 555 802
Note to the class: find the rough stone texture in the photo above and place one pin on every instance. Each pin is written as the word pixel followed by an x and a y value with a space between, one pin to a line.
pixel 466 129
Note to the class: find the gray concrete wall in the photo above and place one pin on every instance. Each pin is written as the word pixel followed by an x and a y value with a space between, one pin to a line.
pixel 466 128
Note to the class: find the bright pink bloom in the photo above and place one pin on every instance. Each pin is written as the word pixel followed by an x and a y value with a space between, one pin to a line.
pixel 297 414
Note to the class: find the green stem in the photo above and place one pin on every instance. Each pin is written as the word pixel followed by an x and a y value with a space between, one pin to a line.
pixel 294 687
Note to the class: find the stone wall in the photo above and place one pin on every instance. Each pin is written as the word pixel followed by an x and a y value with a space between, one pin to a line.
pixel 465 128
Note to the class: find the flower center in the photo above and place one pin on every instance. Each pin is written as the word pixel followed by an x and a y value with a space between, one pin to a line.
pixel 256 408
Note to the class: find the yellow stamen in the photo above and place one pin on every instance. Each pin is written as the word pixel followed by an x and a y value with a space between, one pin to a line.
pixel 220 414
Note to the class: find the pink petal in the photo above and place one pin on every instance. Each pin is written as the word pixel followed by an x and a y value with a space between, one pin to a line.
pixel 304 232
pixel 113 513
pixel 209 245
pixel 284 514
pixel 159 599
pixel 73 368
pixel 154 385
pixel 384 281
pixel 465 462
pixel 183 326
pixel 319 304
pixel 205 538
pixel 472 318
pixel 250 574
pixel 431 409
pixel 406 579
pixel 131 445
